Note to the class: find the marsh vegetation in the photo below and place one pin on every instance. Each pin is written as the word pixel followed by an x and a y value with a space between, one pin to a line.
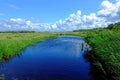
pixel 105 54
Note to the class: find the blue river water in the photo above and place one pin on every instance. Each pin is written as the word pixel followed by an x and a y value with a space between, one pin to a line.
pixel 53 59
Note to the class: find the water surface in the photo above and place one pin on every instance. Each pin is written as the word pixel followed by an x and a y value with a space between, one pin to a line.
pixel 53 59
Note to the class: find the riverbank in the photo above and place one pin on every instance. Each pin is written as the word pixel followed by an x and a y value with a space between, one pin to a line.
pixel 11 43
pixel 105 54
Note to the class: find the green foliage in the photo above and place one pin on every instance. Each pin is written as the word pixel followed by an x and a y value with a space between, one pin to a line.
pixel 110 26
pixel 114 26
pixel 106 48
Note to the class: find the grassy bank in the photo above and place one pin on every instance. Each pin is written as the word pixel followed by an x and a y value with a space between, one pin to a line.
pixel 105 54
pixel 11 43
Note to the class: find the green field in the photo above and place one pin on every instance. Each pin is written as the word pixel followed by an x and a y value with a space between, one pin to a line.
pixel 104 56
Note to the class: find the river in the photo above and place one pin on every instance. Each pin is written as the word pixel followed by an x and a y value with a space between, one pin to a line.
pixel 53 59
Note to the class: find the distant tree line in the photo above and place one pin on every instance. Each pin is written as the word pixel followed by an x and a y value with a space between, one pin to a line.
pixel 17 32
pixel 114 26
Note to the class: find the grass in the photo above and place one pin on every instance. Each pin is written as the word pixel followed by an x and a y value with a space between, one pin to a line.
pixel 105 54
pixel 11 43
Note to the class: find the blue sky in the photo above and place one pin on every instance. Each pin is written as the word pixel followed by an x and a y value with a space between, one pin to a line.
pixel 56 15
pixel 46 10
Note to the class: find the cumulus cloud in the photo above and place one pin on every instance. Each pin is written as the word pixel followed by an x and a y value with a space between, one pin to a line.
pixel 71 22
pixel 107 13
pixel 110 12
pixel 25 24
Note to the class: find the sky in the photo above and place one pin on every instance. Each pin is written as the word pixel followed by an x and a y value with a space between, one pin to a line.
pixel 57 15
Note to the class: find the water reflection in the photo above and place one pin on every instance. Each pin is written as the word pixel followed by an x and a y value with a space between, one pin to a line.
pixel 54 59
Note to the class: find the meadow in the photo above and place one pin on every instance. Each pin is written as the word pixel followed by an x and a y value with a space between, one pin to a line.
pixel 104 56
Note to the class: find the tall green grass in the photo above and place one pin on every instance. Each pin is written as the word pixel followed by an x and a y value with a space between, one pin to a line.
pixel 12 43
pixel 105 54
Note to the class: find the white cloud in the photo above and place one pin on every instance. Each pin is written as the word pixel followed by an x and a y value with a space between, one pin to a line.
pixel 25 24
pixel 78 12
pixel 28 23
pixel 19 20
pixel 107 13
